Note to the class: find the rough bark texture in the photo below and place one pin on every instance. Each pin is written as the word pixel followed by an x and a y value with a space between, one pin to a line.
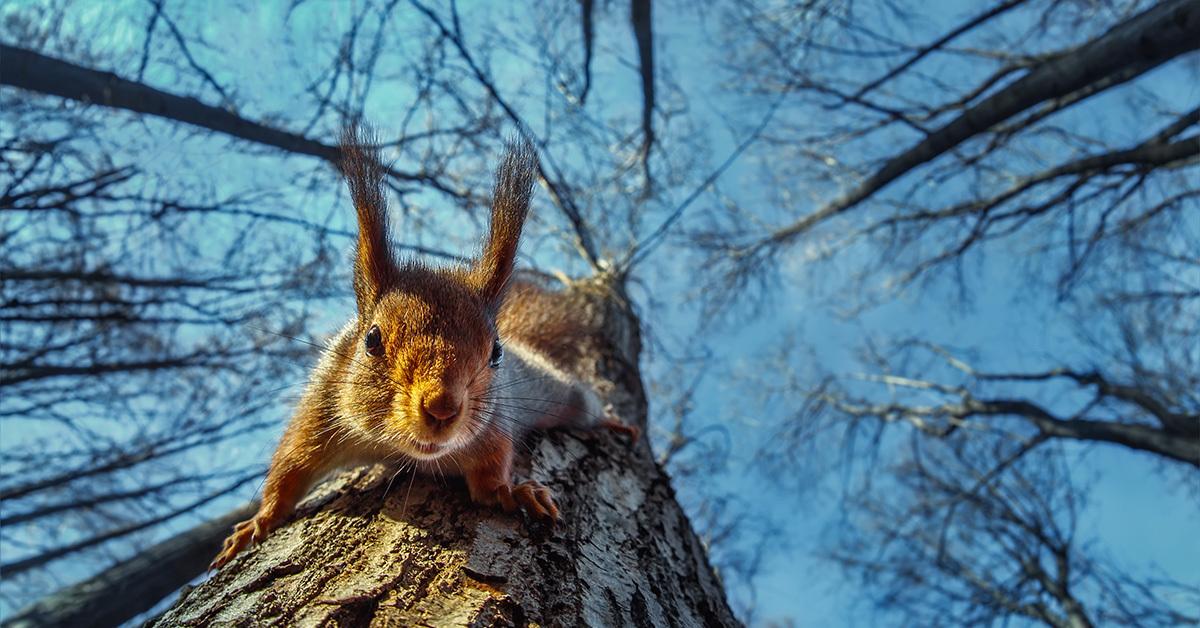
pixel 376 548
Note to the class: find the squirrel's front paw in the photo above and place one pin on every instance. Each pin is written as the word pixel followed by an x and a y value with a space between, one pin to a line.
pixel 246 532
pixel 616 427
pixel 536 499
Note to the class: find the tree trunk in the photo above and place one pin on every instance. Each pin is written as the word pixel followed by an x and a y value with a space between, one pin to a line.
pixel 378 548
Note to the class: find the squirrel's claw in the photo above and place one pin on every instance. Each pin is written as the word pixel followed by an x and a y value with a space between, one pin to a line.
pixel 533 498
pixel 244 534
pixel 632 431
pixel 537 500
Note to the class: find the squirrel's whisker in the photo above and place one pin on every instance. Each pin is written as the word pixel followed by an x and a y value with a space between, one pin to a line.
pixel 420 376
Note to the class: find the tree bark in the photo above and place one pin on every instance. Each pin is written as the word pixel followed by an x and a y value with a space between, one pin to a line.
pixel 380 548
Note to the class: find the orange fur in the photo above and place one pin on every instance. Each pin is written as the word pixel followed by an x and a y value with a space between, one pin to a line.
pixel 410 379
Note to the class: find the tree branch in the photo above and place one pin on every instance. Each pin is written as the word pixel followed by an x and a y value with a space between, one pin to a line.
pixel 583 235
pixel 46 75
pixel 143 580
pixel 18 566
pixel 1154 37
pixel 1181 447
pixel 937 45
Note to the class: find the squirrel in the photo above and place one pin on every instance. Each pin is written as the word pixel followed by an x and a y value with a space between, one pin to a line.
pixel 438 369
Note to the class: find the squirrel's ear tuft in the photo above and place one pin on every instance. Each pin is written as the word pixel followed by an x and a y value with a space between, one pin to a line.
pixel 510 204
pixel 374 268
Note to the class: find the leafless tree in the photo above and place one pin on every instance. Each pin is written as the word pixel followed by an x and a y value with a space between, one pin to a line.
pixel 955 542
pixel 159 314
pixel 130 344
pixel 173 240
pixel 1044 136
pixel 1010 147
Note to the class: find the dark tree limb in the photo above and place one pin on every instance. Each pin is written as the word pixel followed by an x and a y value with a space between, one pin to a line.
pixel 640 15
pixel 15 567
pixel 1181 447
pixel 29 70
pixel 587 9
pixel 1161 33
pixel 127 589
pixel 1152 154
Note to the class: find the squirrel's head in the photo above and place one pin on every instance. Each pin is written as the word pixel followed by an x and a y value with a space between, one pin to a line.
pixel 426 343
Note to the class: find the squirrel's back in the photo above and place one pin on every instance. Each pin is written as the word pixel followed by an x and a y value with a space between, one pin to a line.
pixel 557 323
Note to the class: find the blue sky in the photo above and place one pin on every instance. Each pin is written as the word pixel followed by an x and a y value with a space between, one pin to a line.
pixel 1143 516
pixel 1137 510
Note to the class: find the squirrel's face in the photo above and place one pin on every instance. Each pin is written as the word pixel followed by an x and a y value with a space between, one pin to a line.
pixel 424 360
pixel 421 361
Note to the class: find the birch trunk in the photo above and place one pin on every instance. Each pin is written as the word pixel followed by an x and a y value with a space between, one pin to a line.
pixel 377 548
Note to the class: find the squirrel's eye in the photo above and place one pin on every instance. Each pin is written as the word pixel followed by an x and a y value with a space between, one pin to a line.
pixel 497 354
pixel 375 341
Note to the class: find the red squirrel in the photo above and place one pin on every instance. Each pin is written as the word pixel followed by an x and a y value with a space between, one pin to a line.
pixel 422 374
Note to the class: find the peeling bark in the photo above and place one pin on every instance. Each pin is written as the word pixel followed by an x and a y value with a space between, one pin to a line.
pixel 378 548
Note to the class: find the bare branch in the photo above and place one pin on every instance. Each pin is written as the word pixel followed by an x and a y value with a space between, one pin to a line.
pixel 554 185
pixel 999 9
pixel 29 70
pixel 143 580
pixel 15 567
pixel 1174 26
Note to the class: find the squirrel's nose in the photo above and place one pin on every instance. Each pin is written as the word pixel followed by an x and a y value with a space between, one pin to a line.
pixel 441 406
